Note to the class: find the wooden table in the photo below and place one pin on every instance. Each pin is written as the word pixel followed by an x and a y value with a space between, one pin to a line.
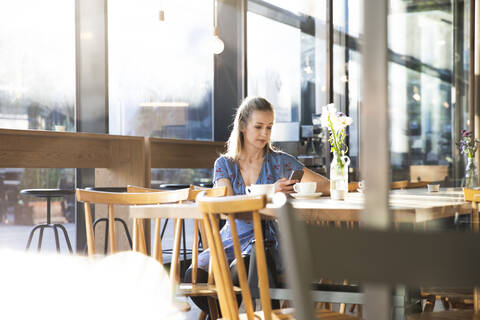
pixel 407 206
pixel 412 206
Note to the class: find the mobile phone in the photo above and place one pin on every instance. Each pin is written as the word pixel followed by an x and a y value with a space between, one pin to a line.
pixel 296 175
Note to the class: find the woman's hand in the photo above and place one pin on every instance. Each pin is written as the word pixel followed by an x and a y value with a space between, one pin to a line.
pixel 284 185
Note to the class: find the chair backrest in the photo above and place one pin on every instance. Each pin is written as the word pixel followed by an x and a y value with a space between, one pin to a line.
pixel 405 184
pixel 428 173
pixel 402 184
pixel 373 256
pixel 192 193
pixel 140 198
pixel 231 206
pixel 114 198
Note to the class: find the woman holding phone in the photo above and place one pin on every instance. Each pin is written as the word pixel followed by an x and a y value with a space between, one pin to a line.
pixel 251 159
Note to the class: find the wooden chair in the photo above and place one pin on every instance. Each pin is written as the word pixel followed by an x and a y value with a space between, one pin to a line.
pixel 114 198
pixel 453 298
pixel 428 173
pixel 193 289
pixel 402 184
pixel 367 255
pixel 405 184
pixel 244 207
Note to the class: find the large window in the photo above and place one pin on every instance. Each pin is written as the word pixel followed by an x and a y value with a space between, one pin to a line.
pixel 428 77
pixel 274 66
pixel 160 72
pixel 287 64
pixel 428 71
pixel 37 91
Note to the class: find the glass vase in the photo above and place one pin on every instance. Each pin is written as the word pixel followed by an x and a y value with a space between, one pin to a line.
pixel 471 174
pixel 339 176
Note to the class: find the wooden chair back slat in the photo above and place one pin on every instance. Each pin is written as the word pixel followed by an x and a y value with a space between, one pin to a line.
pixel 111 230
pixel 211 209
pixel 157 245
pixel 216 267
pixel 242 272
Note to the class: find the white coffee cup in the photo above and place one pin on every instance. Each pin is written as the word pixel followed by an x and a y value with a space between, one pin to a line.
pixel 305 187
pixel 256 189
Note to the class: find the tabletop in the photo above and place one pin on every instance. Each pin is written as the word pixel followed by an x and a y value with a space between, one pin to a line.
pixel 410 205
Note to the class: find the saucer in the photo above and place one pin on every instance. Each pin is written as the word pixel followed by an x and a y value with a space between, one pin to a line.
pixel 306 195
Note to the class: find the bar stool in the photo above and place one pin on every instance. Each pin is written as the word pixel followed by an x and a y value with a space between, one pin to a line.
pixel 48 194
pixel 120 220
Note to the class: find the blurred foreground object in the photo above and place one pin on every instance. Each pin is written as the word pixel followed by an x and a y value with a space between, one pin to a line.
pixel 126 285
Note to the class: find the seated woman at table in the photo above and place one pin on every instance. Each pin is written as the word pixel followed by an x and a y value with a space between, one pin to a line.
pixel 251 159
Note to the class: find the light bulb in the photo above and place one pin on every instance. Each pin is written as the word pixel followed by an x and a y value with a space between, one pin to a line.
pixel 217 43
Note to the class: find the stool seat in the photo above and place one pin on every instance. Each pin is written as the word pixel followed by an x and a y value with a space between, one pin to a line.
pixel 48 194
pixel 44 193
pixel 173 186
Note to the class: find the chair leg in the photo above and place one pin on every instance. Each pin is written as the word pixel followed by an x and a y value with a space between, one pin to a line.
pixel 67 240
pixel 429 303
pixel 202 316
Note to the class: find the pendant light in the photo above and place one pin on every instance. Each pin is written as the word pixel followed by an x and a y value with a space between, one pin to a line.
pixel 217 43
pixel 161 15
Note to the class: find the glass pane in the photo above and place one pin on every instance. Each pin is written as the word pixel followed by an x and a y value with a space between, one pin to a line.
pixel 290 71
pixel 37 64
pixel 37 91
pixel 347 21
pixel 273 67
pixel 160 72
pixel 428 76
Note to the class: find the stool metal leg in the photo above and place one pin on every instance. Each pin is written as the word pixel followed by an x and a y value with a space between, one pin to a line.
pixel 129 238
pixel 57 242
pixel 30 236
pixel 106 235
pixel 65 234
pixel 164 227
pixel 40 239
pixel 48 210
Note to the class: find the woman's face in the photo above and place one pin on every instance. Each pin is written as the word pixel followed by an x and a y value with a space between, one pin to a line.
pixel 258 129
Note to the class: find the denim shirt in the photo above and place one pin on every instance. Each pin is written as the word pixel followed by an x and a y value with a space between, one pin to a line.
pixel 275 165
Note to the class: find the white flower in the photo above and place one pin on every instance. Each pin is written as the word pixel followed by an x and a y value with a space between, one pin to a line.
pixel 327 110
pixel 343 122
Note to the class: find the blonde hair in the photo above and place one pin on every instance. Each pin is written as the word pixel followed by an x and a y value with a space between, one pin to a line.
pixel 235 143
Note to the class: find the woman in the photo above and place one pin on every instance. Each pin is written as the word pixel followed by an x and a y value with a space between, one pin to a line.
pixel 251 159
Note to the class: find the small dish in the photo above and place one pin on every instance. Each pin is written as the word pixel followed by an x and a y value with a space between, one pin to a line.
pixel 306 195
pixel 433 187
